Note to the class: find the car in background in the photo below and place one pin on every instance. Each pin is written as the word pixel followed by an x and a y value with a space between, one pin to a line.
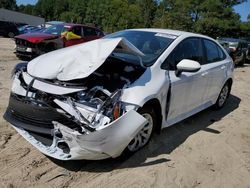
pixel 8 29
pixel 55 37
pixel 248 53
pixel 37 30
pixel 109 96
pixel 237 48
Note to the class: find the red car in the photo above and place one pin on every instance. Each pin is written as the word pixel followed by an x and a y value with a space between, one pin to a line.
pixel 31 45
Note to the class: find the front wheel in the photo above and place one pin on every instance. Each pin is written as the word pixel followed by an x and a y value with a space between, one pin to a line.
pixel 11 35
pixel 145 134
pixel 224 93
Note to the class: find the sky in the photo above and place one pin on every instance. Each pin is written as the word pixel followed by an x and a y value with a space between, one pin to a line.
pixel 25 2
pixel 243 9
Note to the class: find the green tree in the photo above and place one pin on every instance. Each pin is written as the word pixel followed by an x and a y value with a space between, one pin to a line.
pixel 210 17
pixel 27 9
pixel 69 16
pixel 8 4
pixel 45 8
pixel 147 8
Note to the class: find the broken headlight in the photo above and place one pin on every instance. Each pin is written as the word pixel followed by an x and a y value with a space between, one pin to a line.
pixel 112 107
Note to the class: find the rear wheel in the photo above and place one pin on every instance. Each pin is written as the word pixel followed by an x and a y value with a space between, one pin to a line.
pixel 224 93
pixel 243 61
pixel 49 47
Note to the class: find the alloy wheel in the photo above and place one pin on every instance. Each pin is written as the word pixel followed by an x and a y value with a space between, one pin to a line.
pixel 142 138
pixel 223 95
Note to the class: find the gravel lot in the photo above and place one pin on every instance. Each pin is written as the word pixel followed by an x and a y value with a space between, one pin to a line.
pixel 210 149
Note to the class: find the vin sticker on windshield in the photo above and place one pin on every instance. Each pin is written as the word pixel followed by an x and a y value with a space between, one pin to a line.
pixel 165 35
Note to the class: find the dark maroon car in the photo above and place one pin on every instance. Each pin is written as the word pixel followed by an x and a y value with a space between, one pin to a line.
pixel 31 45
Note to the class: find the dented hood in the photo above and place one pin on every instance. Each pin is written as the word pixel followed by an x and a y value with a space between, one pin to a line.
pixel 78 61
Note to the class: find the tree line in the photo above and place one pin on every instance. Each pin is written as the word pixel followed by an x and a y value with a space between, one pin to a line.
pixel 215 18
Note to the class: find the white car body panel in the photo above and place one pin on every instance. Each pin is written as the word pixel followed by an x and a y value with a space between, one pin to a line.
pixel 190 93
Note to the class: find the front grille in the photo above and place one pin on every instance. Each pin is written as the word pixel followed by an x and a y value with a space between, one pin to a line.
pixel 31 120
pixel 36 114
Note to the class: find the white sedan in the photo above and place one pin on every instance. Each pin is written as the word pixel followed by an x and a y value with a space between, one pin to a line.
pixel 107 97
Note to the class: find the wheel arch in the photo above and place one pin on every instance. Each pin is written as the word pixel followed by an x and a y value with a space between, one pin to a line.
pixel 230 81
pixel 154 103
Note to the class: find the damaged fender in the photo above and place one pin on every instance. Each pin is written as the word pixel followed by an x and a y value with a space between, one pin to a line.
pixel 107 142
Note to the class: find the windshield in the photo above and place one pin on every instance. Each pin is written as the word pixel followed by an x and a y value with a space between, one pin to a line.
pixel 152 44
pixel 24 27
pixel 56 29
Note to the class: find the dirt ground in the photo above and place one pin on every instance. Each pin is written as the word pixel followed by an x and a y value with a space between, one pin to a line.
pixel 210 149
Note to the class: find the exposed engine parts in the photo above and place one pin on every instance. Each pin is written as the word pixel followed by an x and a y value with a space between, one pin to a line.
pixel 90 103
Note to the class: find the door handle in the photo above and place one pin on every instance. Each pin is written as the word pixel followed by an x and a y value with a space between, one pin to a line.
pixel 204 73
pixel 223 67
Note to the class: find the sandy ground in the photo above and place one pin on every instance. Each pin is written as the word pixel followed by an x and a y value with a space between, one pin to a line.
pixel 210 149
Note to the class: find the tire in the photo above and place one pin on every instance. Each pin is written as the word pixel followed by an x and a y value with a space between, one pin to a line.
pixel 49 47
pixel 144 135
pixel 11 35
pixel 243 61
pixel 224 94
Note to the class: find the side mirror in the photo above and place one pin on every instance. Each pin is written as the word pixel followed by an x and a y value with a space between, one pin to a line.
pixel 187 65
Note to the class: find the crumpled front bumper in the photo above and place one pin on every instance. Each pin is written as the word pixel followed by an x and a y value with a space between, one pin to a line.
pixel 58 136
pixel 105 143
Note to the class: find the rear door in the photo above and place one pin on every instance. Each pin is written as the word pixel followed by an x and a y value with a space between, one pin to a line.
pixel 216 66
pixel 188 89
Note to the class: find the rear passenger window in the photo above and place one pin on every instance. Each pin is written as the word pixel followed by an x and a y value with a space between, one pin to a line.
pixel 188 49
pixel 89 31
pixel 213 52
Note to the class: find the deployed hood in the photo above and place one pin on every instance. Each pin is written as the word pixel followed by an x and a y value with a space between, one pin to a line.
pixel 78 61
pixel 36 37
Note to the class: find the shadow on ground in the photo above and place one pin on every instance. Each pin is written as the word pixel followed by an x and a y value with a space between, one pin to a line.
pixel 164 143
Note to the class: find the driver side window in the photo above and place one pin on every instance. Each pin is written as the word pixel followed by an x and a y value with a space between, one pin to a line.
pixel 188 49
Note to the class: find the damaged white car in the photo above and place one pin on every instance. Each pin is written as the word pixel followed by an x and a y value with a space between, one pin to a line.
pixel 99 99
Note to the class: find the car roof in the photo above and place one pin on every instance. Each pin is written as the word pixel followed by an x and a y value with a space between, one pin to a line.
pixel 170 31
